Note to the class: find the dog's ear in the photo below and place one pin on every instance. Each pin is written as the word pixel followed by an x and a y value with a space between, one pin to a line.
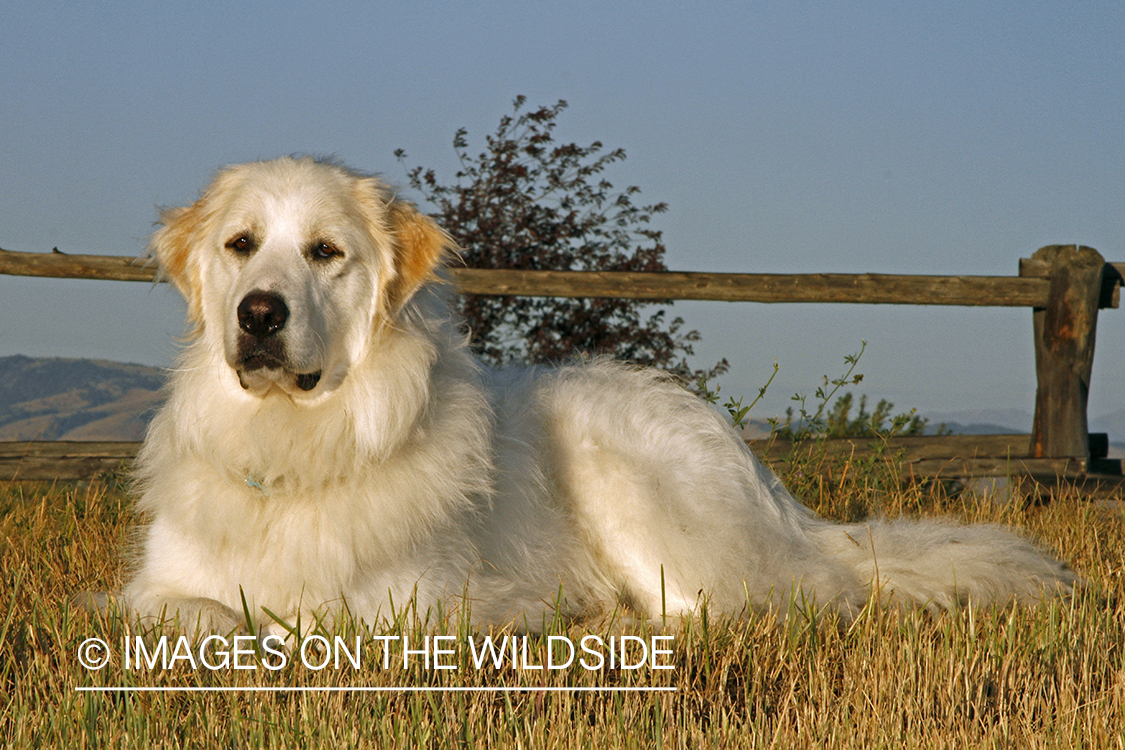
pixel 420 248
pixel 172 245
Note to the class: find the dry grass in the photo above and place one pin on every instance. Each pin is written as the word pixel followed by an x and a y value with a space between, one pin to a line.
pixel 1048 676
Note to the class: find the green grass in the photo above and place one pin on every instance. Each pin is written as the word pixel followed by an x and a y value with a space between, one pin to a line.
pixel 1052 676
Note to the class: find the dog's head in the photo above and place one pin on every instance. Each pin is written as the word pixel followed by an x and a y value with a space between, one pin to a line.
pixel 291 266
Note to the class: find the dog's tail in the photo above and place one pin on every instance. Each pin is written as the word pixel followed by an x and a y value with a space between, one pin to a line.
pixel 940 564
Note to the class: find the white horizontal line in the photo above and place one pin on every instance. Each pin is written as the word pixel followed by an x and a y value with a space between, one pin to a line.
pixel 367 689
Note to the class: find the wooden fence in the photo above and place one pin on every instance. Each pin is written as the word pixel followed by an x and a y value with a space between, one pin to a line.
pixel 1064 285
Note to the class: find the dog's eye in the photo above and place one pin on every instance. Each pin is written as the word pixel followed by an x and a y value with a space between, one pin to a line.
pixel 325 251
pixel 241 244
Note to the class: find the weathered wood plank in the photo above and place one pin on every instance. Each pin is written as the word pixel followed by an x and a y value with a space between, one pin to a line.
pixel 64 460
pixel 916 447
pixel 867 288
pixel 966 468
pixel 943 455
pixel 1065 329
pixel 76 448
pixel 64 266
pixel 1063 468
pixel 948 456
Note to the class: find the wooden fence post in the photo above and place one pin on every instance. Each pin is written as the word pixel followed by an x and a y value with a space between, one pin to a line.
pixel 1064 349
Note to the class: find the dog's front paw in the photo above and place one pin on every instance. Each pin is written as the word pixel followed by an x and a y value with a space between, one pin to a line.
pixel 198 615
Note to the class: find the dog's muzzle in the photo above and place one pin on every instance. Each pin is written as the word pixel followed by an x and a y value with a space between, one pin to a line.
pixel 261 316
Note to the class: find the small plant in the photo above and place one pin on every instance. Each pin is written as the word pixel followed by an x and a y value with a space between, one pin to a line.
pixel 739 414
pixel 839 423
pixel 836 421
pixel 825 422
pixel 838 481
pixel 811 425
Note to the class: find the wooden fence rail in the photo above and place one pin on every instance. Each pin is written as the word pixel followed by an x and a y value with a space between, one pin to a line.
pixel 1030 289
pixel 939 456
pixel 1065 285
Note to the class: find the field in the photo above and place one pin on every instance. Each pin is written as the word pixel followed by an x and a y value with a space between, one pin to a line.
pixel 1050 676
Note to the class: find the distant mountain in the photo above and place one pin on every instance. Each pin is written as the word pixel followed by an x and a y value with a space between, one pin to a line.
pixel 982 421
pixel 76 399
pixel 998 421
pixel 92 399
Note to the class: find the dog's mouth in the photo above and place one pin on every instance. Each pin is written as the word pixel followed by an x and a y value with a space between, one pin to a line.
pixel 261 379
pixel 263 364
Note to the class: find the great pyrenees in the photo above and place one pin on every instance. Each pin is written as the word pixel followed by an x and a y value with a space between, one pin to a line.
pixel 329 442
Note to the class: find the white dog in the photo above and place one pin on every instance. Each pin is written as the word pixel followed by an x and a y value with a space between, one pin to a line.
pixel 328 441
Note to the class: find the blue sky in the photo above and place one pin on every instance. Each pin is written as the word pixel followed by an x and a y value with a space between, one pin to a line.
pixel 893 137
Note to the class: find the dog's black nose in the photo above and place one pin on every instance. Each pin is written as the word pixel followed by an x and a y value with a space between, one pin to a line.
pixel 262 314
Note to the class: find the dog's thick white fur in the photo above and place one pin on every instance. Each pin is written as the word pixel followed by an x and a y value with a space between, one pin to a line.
pixel 329 439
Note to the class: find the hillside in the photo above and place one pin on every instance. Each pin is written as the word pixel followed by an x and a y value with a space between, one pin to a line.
pixel 88 399
pixel 76 399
